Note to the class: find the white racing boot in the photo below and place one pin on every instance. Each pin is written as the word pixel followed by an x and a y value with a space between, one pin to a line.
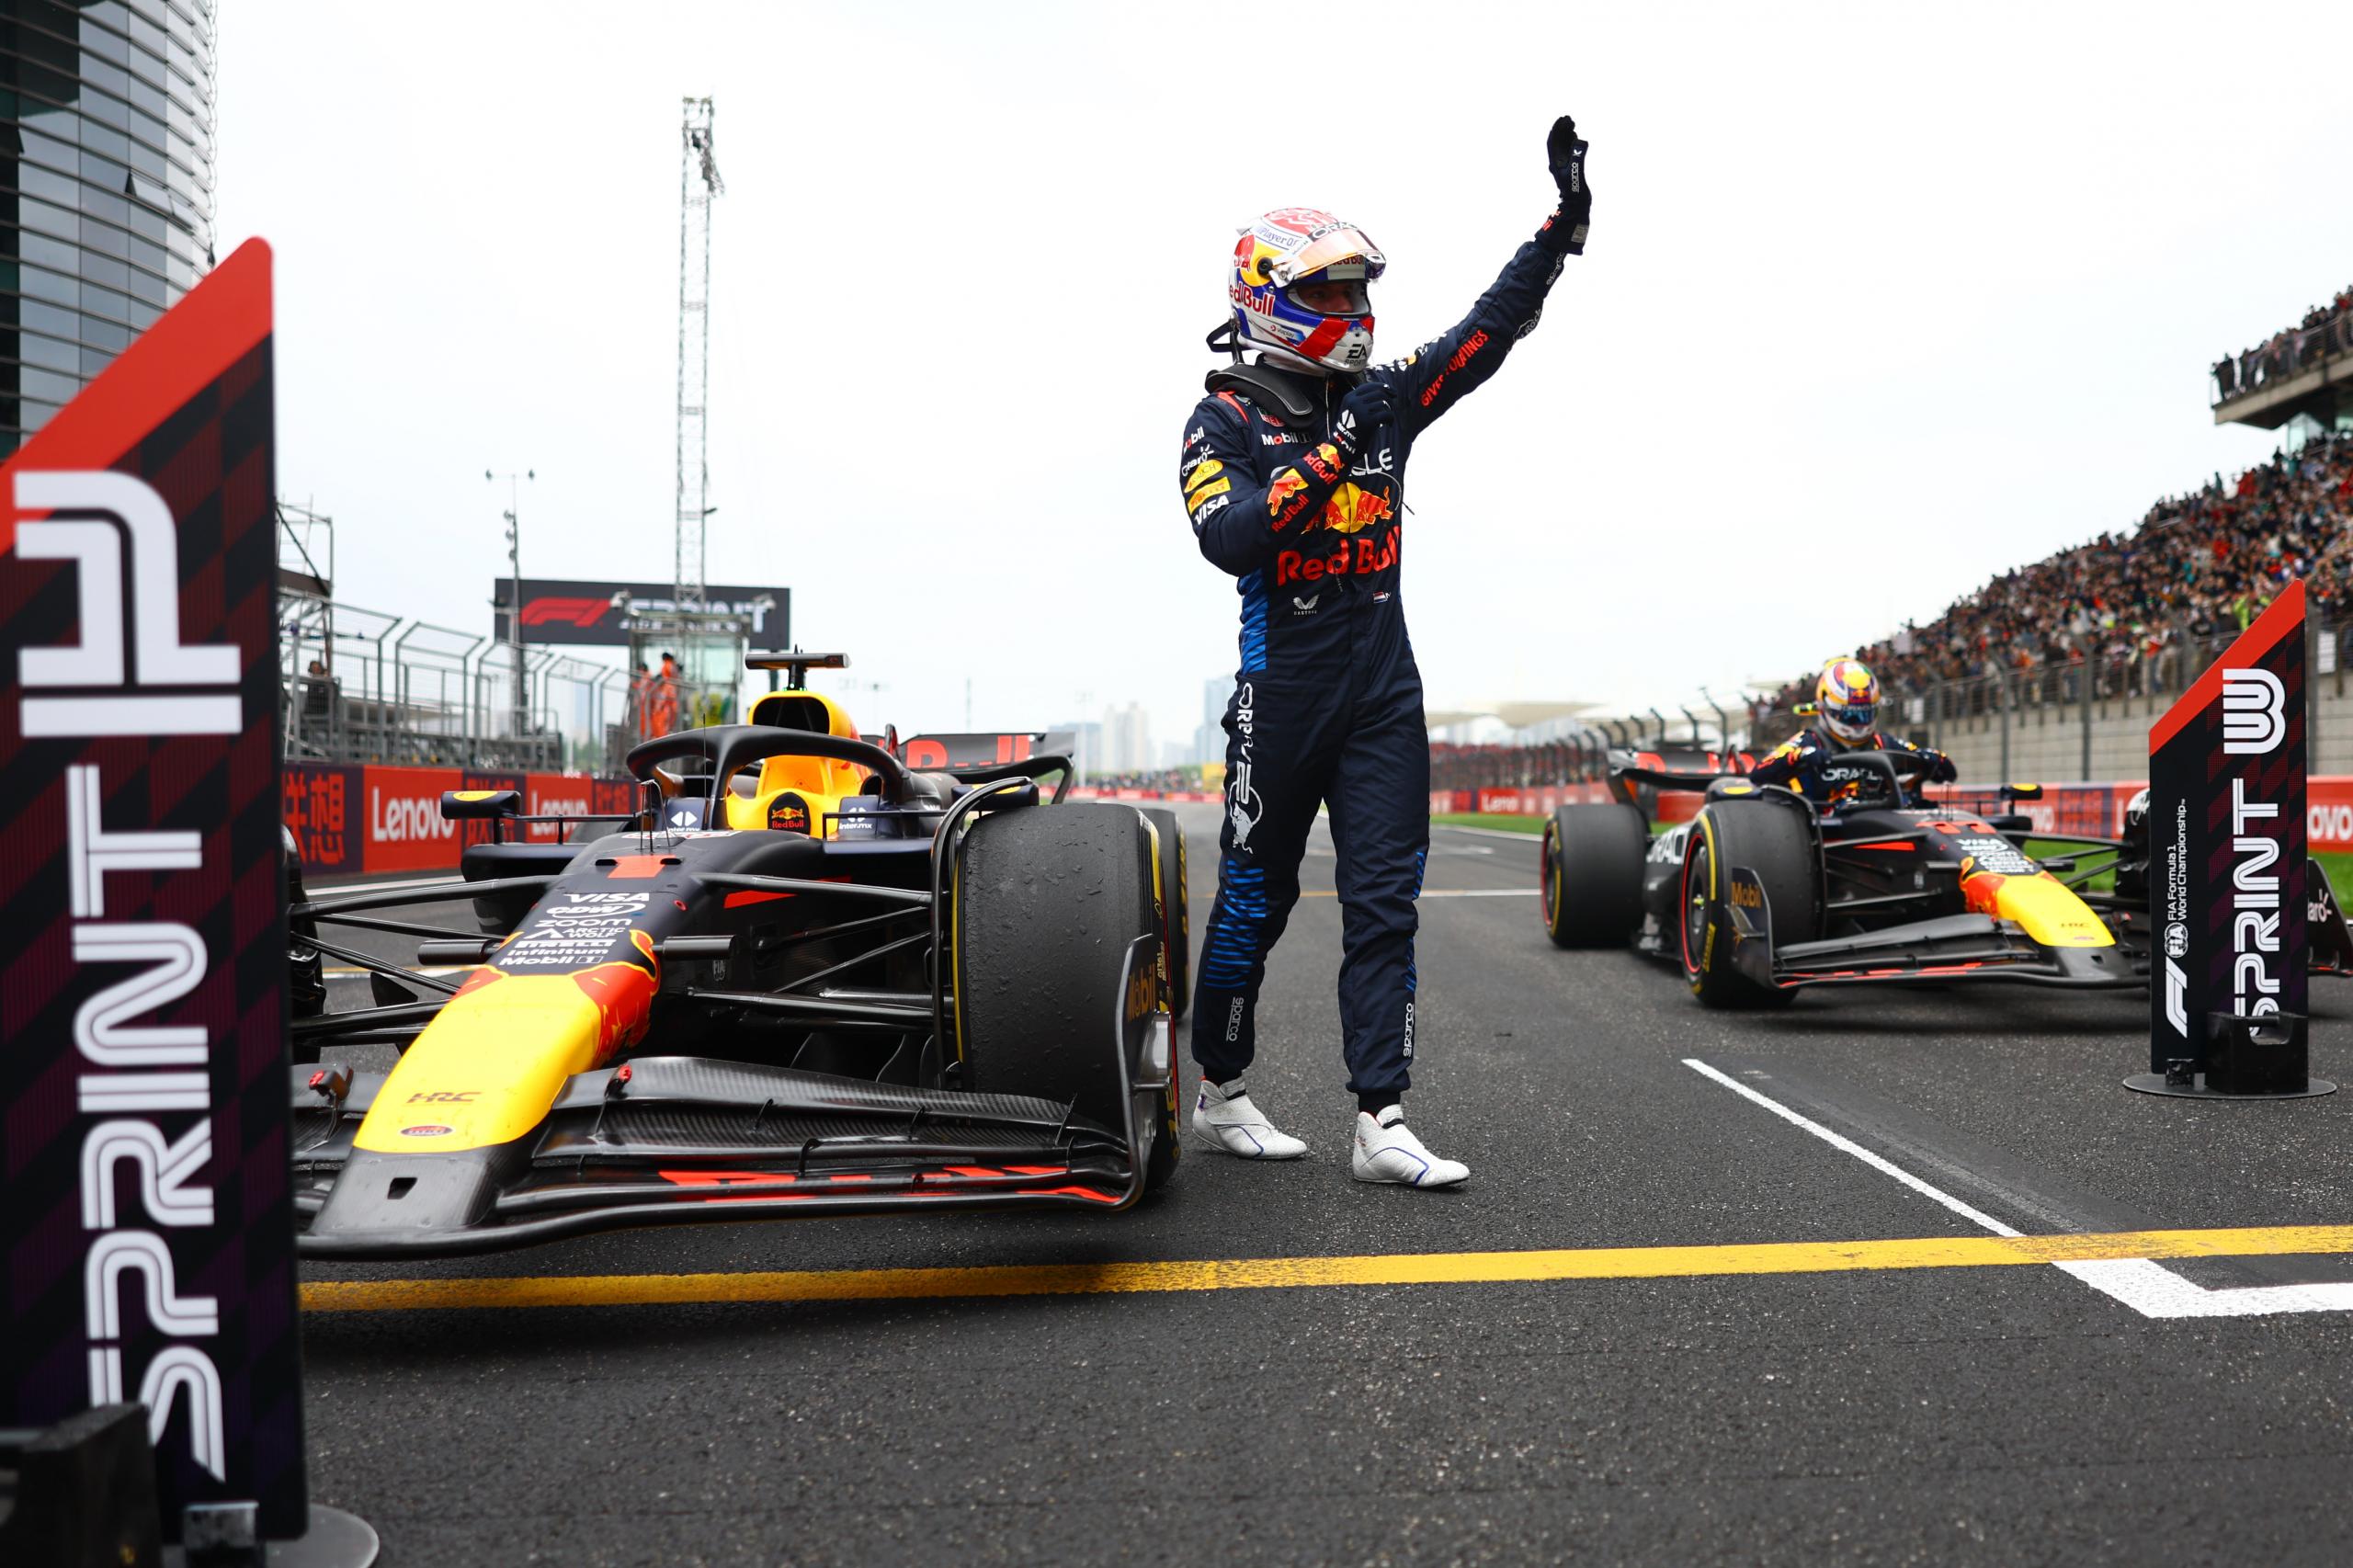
pixel 1387 1151
pixel 1227 1118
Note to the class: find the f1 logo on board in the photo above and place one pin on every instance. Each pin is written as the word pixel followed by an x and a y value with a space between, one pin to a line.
pixel 163 694
pixel 2254 712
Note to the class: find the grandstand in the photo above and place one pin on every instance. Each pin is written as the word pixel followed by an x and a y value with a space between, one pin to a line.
pixel 2054 669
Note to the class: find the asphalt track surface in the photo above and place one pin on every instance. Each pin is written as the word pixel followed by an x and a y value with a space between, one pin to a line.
pixel 791 1394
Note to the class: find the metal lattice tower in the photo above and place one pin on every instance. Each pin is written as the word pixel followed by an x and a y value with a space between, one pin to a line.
pixel 698 181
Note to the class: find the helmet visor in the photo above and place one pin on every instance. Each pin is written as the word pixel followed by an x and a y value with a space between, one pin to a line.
pixel 1342 242
pixel 1853 721
pixel 1330 296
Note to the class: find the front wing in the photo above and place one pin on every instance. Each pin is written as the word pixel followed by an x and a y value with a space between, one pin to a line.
pixel 1947 950
pixel 673 1139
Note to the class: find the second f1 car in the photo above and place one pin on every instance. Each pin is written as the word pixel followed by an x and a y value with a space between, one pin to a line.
pixel 1760 896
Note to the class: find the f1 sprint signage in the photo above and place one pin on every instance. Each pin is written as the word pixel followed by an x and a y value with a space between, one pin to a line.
pixel 569 612
pixel 143 1124
pixel 2227 868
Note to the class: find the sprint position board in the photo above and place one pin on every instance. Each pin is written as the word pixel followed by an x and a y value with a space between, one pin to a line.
pixel 149 1220
pixel 2226 840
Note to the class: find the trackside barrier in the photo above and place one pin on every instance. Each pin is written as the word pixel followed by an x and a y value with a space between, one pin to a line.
pixel 358 818
pixel 2095 810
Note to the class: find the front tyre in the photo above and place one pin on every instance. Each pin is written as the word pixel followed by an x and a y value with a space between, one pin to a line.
pixel 1776 841
pixel 1048 901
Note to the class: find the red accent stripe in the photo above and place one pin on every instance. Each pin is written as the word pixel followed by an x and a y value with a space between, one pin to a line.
pixel 187 348
pixel 737 899
pixel 1321 340
pixel 1881 844
pixel 634 868
pixel 2286 612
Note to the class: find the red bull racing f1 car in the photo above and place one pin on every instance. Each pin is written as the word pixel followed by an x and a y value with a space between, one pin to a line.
pixel 1761 896
pixel 903 988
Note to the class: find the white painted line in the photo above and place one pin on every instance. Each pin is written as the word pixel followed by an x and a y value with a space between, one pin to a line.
pixel 1482 893
pixel 1848 1145
pixel 2147 1287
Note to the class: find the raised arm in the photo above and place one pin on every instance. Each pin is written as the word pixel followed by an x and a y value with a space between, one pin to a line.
pixel 1437 375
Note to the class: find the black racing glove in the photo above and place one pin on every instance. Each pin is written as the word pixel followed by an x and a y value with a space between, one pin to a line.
pixel 1368 407
pixel 1565 232
pixel 1940 768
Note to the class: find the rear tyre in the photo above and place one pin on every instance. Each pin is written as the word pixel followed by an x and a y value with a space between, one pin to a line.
pixel 1177 932
pixel 1048 899
pixel 1776 842
pixel 1593 875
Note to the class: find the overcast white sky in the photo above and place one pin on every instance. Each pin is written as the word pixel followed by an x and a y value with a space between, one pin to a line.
pixel 1879 299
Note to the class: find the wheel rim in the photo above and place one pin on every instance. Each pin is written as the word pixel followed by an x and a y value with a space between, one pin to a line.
pixel 1695 904
pixel 1549 881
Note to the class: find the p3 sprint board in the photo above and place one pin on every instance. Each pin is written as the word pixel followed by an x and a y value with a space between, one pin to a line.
pixel 2227 840
pixel 147 1220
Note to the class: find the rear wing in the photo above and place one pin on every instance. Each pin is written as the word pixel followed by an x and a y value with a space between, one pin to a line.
pixel 955 752
pixel 1681 770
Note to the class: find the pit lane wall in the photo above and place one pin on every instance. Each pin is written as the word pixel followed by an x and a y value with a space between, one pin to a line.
pixel 2092 811
pixel 361 818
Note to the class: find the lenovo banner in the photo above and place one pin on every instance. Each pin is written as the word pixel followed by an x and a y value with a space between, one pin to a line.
pixel 2227 839
pixel 149 1227
pixel 360 818
pixel 574 613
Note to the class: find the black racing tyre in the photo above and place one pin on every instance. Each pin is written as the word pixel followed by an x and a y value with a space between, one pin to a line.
pixel 1776 841
pixel 1047 901
pixel 1592 876
pixel 1178 931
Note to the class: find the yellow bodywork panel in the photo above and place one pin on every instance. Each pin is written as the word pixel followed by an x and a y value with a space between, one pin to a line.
pixel 487 1067
pixel 2044 907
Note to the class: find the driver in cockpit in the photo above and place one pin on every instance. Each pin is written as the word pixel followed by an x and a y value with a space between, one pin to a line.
pixel 1845 704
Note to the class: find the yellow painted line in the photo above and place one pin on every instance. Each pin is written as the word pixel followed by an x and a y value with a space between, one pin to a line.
pixel 1291 1273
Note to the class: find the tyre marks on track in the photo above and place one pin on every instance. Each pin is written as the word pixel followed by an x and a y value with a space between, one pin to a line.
pixel 2137 1280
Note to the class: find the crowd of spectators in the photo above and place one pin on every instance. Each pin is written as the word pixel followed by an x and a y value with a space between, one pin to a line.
pixel 2325 330
pixel 2199 566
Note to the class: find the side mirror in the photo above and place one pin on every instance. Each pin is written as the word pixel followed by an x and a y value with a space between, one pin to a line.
pixel 492 806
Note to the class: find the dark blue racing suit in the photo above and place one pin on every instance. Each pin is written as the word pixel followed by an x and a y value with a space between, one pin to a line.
pixel 1808 763
pixel 1327 704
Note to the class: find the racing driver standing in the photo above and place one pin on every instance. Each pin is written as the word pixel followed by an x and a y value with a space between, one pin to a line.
pixel 1293 475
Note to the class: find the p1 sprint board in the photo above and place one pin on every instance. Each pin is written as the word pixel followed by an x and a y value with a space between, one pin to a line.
pixel 2226 840
pixel 147 1220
